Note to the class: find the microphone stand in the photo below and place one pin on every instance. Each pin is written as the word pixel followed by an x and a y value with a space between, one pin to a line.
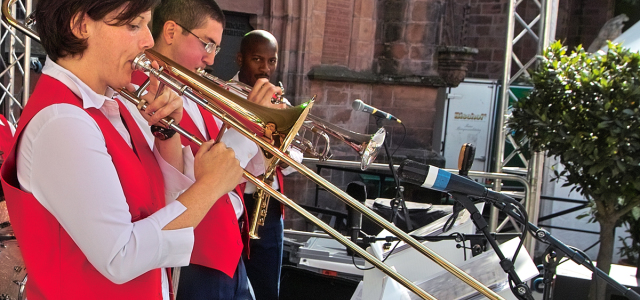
pixel 520 290
pixel 564 250
pixel 398 201
pixel 458 237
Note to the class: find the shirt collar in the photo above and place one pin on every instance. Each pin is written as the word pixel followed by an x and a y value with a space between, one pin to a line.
pixel 90 99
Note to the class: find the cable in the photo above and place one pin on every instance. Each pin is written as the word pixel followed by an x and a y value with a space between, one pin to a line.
pixel 457 208
pixel 524 235
pixel 521 211
pixel 461 239
pixel 404 135
pixel 595 275
pixel 353 258
pixel 524 217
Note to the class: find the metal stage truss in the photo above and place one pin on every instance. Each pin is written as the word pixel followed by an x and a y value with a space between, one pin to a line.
pixel 530 22
pixel 15 64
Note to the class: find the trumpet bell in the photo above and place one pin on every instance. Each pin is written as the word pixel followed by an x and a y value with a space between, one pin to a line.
pixel 367 146
pixel 370 150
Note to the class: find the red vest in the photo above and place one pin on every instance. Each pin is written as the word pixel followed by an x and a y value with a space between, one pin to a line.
pixel 218 241
pixel 57 267
pixel 6 137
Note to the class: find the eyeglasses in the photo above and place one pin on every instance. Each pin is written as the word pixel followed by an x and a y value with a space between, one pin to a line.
pixel 209 47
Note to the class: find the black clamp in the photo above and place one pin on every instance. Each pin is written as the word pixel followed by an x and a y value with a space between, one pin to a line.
pixel 162 133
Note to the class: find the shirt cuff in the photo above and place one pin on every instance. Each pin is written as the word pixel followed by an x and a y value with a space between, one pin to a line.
pixel 170 248
pixel 174 181
pixel 176 245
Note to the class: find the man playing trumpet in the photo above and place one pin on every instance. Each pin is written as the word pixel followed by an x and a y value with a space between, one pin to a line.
pixel 258 59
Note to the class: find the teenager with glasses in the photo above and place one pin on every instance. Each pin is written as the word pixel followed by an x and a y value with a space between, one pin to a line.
pixel 208 46
pixel 189 32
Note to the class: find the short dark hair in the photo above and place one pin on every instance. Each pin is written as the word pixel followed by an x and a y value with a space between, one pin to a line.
pixel 188 13
pixel 54 16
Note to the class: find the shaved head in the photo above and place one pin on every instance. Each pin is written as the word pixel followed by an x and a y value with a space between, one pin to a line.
pixel 256 37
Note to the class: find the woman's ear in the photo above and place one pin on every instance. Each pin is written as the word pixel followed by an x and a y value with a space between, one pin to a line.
pixel 79 25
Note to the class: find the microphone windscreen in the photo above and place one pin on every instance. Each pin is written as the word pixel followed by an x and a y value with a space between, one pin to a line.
pixel 413 172
pixel 357 105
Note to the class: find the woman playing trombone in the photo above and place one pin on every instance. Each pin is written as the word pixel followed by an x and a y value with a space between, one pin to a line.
pixel 91 204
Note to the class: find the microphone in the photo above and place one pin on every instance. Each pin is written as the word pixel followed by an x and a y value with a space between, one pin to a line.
pixel 358 105
pixel 435 178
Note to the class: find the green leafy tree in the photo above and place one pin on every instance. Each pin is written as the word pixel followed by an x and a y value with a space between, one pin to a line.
pixel 584 110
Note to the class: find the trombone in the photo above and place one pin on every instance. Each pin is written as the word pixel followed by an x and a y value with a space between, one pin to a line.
pixel 190 85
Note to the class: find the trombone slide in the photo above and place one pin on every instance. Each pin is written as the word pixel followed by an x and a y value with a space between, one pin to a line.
pixel 247 131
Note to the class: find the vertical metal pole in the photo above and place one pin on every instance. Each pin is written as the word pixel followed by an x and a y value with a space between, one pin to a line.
pixel 502 109
pixel 12 70
pixel 534 176
pixel 27 59
pixel 536 163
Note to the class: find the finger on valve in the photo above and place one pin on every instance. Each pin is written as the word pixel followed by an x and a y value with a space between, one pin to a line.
pixel 263 93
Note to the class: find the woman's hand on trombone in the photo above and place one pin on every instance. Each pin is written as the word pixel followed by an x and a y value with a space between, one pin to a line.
pixel 162 102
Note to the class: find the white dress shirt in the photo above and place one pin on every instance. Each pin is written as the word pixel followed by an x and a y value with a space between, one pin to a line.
pixel 63 161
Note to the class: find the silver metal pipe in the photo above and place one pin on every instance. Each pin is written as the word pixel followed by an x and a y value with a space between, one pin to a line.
pixel 502 108
pixel 26 93
pixel 12 69
pixel 536 163
pixel 385 167
pixel 307 234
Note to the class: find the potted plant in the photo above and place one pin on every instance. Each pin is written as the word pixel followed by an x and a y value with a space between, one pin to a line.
pixel 454 57
pixel 584 109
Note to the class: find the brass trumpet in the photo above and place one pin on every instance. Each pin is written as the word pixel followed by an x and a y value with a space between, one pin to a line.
pixel 367 146
pixel 248 120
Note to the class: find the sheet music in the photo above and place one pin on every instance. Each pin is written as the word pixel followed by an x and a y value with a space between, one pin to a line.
pixel 484 268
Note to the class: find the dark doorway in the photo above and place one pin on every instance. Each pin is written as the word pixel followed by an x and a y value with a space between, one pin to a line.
pixel 237 25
